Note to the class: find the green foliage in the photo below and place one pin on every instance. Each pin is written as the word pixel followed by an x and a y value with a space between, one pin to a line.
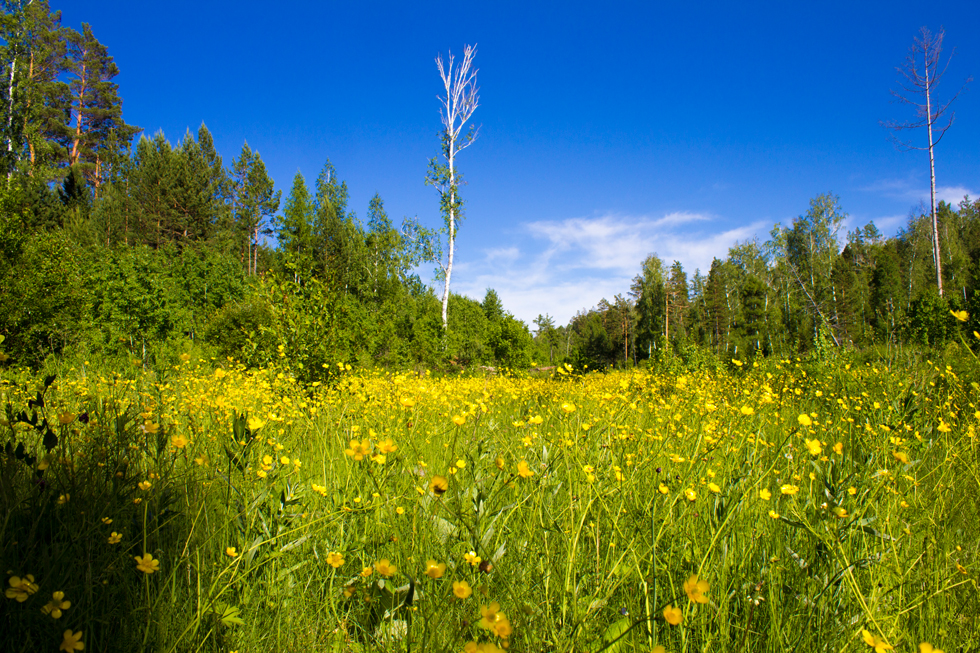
pixel 929 320
pixel 43 295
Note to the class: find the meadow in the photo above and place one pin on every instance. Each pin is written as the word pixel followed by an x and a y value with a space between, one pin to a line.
pixel 777 505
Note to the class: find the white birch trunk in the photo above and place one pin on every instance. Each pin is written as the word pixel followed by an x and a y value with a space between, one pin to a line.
pixel 932 188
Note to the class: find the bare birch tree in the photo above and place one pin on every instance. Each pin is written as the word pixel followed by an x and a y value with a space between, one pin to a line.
pixel 459 103
pixel 920 76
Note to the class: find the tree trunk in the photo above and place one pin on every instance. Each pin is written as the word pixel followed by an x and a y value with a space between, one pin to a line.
pixel 73 156
pixel 932 189
pixel 452 235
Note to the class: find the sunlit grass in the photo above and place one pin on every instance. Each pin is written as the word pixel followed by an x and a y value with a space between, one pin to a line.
pixel 784 506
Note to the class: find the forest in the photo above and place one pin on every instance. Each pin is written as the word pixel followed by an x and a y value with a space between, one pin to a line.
pixel 121 245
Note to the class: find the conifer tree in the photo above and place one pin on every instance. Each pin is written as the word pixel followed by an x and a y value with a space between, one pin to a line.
pixel 256 200
pixel 34 99
pixel 294 230
pixel 96 108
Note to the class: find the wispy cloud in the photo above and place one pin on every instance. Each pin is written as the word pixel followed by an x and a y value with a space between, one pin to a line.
pixel 913 191
pixel 569 265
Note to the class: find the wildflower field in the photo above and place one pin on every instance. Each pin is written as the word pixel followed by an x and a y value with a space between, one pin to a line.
pixel 789 505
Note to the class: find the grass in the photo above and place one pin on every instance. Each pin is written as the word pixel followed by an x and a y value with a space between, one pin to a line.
pixel 825 504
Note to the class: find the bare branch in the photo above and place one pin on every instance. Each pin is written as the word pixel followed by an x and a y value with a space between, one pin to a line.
pixel 921 76
pixel 460 101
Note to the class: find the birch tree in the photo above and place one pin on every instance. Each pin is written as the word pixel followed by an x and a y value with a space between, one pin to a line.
pixel 920 76
pixel 457 105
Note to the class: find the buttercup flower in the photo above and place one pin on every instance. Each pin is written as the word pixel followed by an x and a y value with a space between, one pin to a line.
pixel 387 446
pixel 147 564
pixel 435 569
pixel 879 645
pixel 461 589
pixel 673 615
pixel 439 485
pixel 385 568
pixel 765 494
pixel 71 642
pixel 115 538
pixel 335 559
pixel 523 470
pixel 231 552
pixel 695 589
pixel 358 449
pixel 494 620
pixel 926 647
pixel 789 489
pixel 20 588
pixel 56 605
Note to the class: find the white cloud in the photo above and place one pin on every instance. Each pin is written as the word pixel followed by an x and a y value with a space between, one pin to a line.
pixel 569 265
pixel 913 191
pixel 953 194
pixel 502 254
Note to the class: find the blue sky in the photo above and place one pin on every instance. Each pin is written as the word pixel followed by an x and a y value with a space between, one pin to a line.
pixel 606 135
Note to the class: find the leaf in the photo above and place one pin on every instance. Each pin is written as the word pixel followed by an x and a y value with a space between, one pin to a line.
pixel 614 637
pixel 228 615
pixel 50 439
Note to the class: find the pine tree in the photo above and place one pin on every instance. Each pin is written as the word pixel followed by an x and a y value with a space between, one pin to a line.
pixel 256 200
pixel 96 108
pixel 34 99
pixel 294 230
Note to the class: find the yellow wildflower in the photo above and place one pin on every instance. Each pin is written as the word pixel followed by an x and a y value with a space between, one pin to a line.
pixel 385 568
pixel 358 449
pixel 71 642
pixel 56 605
pixel 461 589
pixel 673 615
pixel 435 569
pixel 439 485
pixel 147 564
pixel 20 588
pixel 523 470
pixel 695 589
pixel 879 645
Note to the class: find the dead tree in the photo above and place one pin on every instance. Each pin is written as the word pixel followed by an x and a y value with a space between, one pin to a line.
pixel 461 99
pixel 919 78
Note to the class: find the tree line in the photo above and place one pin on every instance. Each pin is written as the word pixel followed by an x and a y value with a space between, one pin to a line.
pixel 810 285
pixel 138 249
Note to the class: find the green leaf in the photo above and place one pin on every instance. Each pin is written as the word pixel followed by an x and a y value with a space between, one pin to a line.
pixel 614 637
pixel 228 615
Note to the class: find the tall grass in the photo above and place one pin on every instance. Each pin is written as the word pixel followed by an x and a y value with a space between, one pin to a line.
pixel 825 504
